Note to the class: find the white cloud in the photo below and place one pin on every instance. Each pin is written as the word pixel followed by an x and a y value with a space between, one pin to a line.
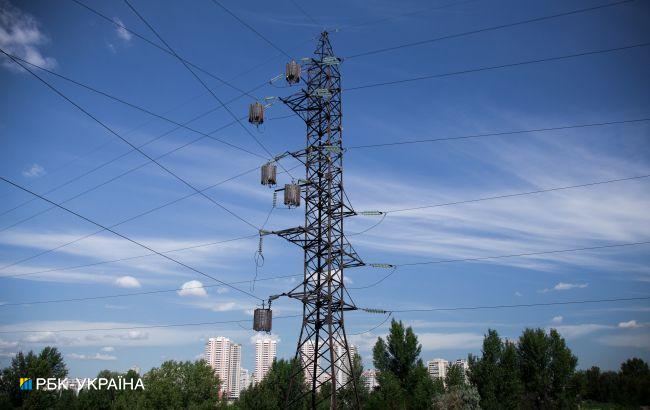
pixel 557 319
pixel 632 324
pixel 192 288
pixel 135 335
pixel 7 344
pixel 261 336
pixel 121 31
pixel 96 356
pixel 576 331
pixel 639 341
pixel 34 171
pixel 20 35
pixel 566 286
pixel 518 294
pixel 108 349
pixel 127 282
pixel 434 341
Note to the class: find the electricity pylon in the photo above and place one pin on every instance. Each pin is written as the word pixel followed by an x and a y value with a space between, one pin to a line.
pixel 323 347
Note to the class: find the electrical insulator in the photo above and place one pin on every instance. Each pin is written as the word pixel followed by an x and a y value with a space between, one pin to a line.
pixel 262 320
pixel 269 174
pixel 292 195
pixel 293 72
pixel 256 114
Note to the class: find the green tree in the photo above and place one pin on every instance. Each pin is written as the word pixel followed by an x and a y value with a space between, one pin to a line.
pixel 634 382
pixel 484 371
pixel 459 397
pixel 547 366
pixel 47 364
pixel 271 393
pixel 176 385
pixel 403 380
pixel 455 376
pixel 509 390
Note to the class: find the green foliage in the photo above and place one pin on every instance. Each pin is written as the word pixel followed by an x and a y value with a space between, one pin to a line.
pixel 271 392
pixel 48 363
pixel 628 387
pixel 403 380
pixel 459 397
pixel 455 376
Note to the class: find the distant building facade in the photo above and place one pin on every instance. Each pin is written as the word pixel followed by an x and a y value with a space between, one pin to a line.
pixel 224 357
pixel 265 353
pixel 369 379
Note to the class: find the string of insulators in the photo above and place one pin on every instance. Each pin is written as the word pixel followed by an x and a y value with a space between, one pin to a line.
pixel 372 310
pixel 275 198
pixel 382 265
pixel 370 213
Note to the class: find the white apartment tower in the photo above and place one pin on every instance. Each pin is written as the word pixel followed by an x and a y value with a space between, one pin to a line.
pixel 369 378
pixel 307 356
pixel 438 368
pixel 265 351
pixel 244 380
pixel 224 357
pixel 343 366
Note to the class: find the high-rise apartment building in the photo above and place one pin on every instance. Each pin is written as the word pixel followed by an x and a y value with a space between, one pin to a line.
pixel 224 357
pixel 438 368
pixel 307 356
pixel 265 352
pixel 369 378
pixel 244 380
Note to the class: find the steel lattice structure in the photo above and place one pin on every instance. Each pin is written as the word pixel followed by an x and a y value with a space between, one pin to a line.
pixel 323 346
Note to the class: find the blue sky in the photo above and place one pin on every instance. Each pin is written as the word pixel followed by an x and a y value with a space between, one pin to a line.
pixel 45 142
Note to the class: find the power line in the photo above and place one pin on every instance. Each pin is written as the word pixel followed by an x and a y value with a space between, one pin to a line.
pixel 187 66
pixel 496 134
pixel 164 168
pixel 394 268
pixel 516 255
pixel 521 305
pixel 142 109
pixel 148 41
pixel 126 237
pixel 251 28
pixel 88 265
pixel 151 292
pixel 538 191
pixel 99 329
pixel 492 28
pixel 394 17
pixel 501 66
pixel 304 13
pixel 132 218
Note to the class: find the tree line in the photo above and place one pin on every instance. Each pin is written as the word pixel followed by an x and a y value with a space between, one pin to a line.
pixel 536 371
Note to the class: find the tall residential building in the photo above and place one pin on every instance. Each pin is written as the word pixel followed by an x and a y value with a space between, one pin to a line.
pixel 307 356
pixel 369 378
pixel 343 366
pixel 244 380
pixel 224 357
pixel 437 368
pixel 462 363
pixel 265 351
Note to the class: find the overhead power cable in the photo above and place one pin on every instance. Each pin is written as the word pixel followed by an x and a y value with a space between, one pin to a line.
pixel 501 66
pixel 520 305
pixel 491 28
pixel 144 293
pixel 304 13
pixel 100 329
pixel 537 191
pixel 138 35
pixel 392 267
pixel 397 16
pixel 98 121
pixel 251 28
pixel 189 68
pixel 501 133
pixel 145 110
pixel 106 228
pixel 129 219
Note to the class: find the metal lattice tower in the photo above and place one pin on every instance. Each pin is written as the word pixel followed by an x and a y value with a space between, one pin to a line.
pixel 323 347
